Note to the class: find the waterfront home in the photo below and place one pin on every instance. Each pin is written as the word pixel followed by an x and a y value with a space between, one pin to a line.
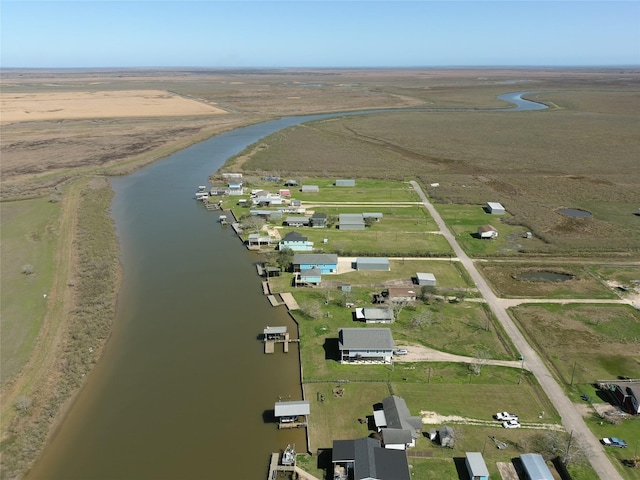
pixel 311 276
pixel 325 262
pixel 494 208
pixel 365 345
pixel 256 240
pixel 374 314
pixel 394 416
pixel 365 459
pixel 292 411
pixel 296 242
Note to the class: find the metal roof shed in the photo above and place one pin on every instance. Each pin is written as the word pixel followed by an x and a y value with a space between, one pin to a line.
pixel 426 279
pixel 476 466
pixel 373 263
pixel 535 467
pixel 495 208
pixel 291 409
pixel 345 183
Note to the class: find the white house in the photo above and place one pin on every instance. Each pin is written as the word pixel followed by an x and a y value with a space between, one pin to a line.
pixel 487 231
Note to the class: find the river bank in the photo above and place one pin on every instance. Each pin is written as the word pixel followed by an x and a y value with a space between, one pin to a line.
pixel 75 331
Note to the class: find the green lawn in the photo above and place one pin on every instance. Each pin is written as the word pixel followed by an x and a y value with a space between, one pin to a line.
pixel 29 237
pixel 463 222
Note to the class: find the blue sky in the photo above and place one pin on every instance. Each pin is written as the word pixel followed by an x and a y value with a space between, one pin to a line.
pixel 308 33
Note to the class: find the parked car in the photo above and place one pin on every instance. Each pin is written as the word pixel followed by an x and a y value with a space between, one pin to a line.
pixel 511 424
pixel 400 351
pixel 613 442
pixel 506 416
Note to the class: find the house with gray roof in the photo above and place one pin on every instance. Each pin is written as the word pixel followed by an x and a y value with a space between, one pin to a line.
pixel 325 262
pixel 365 345
pixel 494 208
pixel 365 459
pixel 428 279
pixel 395 415
pixel 344 182
pixel 298 221
pixel 296 242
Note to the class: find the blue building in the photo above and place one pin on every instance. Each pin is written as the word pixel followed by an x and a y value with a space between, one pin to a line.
pixel 325 262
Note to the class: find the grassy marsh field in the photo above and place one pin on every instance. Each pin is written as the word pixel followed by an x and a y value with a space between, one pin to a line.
pixel 581 153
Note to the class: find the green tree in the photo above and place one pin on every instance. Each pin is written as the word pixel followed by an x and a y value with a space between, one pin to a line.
pixel 285 258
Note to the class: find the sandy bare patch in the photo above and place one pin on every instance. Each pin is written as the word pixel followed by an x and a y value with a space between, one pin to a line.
pixel 23 107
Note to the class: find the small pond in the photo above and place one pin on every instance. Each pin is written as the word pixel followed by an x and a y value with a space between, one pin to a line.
pixel 575 212
pixel 545 276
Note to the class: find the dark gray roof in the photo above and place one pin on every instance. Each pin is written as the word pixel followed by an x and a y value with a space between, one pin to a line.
pixel 296 407
pixel 294 237
pixel 365 338
pixel 315 258
pixel 396 436
pixel 398 416
pixel 371 460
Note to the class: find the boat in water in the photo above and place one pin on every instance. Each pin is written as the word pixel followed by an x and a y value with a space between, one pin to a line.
pixel 289 456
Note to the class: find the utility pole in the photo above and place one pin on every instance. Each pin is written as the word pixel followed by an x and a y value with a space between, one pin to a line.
pixel 566 454
pixel 521 369
pixel 573 372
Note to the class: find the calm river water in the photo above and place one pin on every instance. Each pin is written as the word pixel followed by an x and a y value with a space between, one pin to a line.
pixel 183 390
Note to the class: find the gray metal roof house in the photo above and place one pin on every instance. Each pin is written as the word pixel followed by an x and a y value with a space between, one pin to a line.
pixel 476 466
pixel 535 468
pixel 378 264
pixel 396 416
pixel 310 189
pixel 365 459
pixel 365 345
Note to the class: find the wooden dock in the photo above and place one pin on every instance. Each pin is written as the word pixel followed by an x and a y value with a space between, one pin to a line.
pixel 292 425
pixel 270 345
pixel 266 290
pixel 289 301
pixel 275 467
pixel 274 301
